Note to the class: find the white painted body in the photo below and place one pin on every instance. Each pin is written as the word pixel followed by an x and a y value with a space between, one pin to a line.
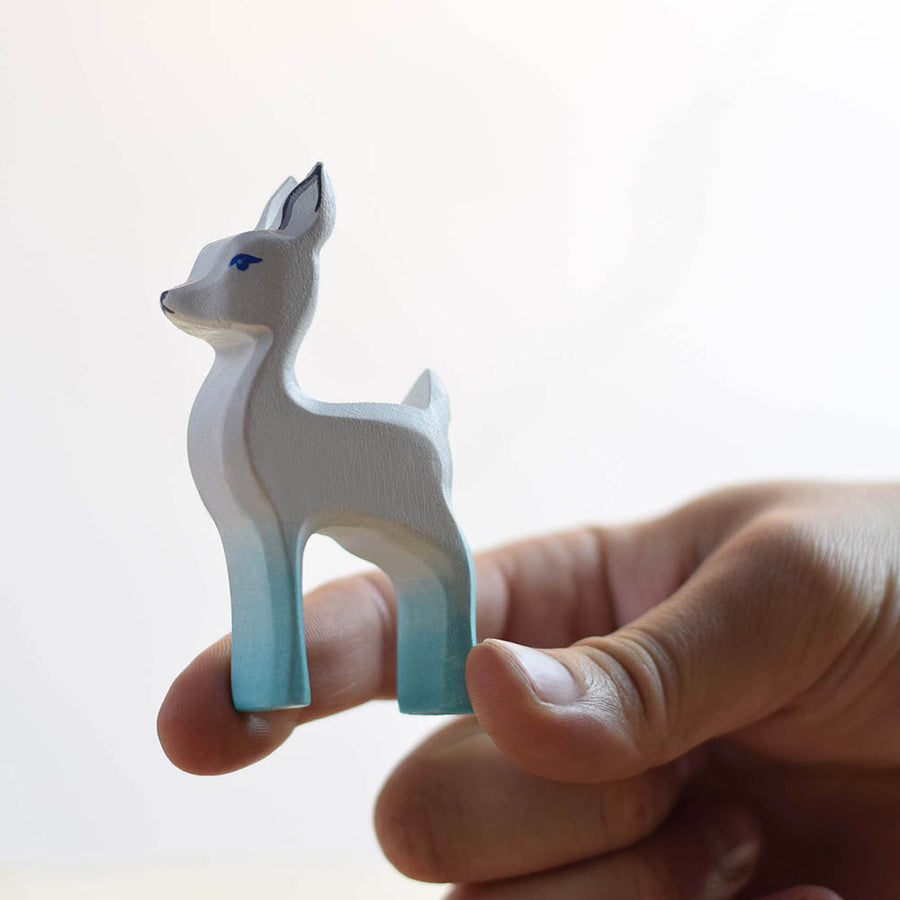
pixel 274 466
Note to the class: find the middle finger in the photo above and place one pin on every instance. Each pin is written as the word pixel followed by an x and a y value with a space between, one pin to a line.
pixel 457 810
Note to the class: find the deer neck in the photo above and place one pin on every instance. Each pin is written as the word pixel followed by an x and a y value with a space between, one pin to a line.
pixel 249 367
pixel 253 370
pixel 220 408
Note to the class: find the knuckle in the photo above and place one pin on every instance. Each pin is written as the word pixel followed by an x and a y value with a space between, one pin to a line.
pixel 781 553
pixel 793 577
pixel 777 533
pixel 788 553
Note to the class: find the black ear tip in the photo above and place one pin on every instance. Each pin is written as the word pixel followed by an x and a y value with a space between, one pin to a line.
pixel 319 169
pixel 314 175
pixel 313 178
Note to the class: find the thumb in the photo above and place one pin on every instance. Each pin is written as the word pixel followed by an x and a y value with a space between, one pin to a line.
pixel 741 638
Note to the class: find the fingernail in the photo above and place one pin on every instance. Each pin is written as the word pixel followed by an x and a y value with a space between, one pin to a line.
pixel 734 840
pixel 548 678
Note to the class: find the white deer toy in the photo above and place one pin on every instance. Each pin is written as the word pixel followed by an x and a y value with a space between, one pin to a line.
pixel 274 466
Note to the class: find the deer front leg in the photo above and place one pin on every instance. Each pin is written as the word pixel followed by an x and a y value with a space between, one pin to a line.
pixel 268 652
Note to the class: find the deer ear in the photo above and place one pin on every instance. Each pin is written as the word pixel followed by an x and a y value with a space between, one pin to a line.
pixel 301 206
pixel 271 215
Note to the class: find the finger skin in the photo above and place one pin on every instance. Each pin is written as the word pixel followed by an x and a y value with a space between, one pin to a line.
pixel 694 856
pixel 457 810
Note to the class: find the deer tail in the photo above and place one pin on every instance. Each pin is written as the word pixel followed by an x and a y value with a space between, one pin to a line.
pixel 429 394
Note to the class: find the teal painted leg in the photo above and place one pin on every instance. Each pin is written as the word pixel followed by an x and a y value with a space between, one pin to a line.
pixel 268 652
pixel 435 631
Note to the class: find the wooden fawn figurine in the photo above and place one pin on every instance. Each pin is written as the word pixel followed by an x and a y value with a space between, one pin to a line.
pixel 274 466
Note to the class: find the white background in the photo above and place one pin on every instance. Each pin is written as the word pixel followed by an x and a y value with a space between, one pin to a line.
pixel 650 247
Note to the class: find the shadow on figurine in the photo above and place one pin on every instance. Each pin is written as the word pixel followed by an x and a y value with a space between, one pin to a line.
pixel 274 466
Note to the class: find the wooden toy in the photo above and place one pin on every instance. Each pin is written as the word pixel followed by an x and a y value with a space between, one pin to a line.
pixel 274 466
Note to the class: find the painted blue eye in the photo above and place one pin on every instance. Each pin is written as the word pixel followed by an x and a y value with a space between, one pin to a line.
pixel 243 261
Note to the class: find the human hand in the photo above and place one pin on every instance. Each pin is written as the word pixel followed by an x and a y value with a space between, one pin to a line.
pixel 728 715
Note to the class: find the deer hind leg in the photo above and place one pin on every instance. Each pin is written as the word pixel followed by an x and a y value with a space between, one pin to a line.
pixel 268 652
pixel 435 632
pixel 435 586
